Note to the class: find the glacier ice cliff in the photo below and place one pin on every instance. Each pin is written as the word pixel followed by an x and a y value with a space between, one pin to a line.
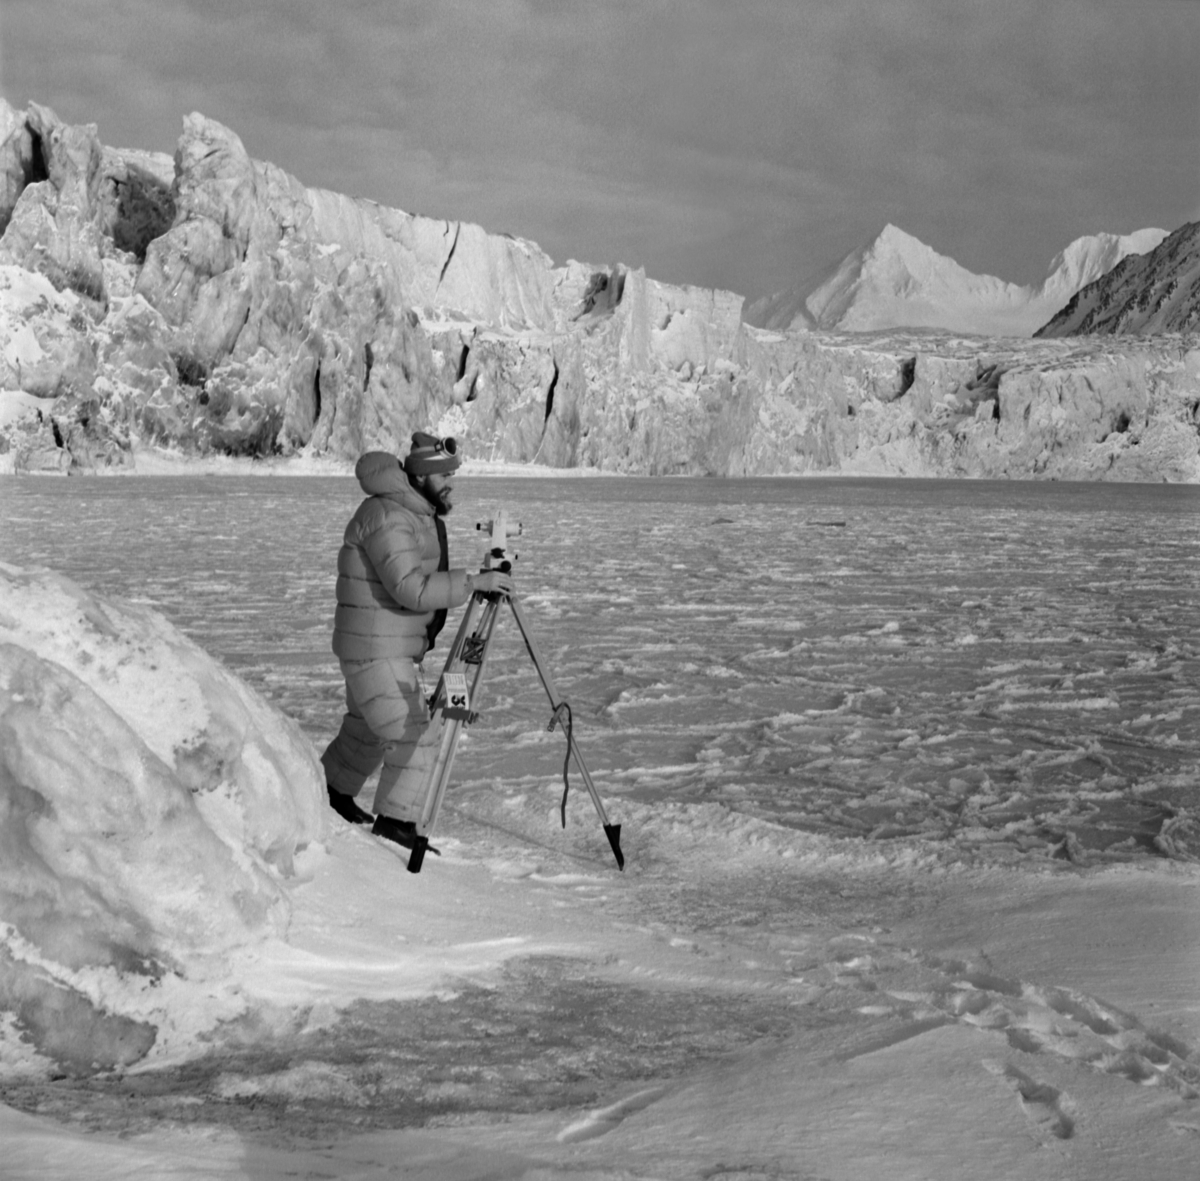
pixel 213 305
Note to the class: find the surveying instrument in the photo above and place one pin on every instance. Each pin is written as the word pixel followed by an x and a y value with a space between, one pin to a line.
pixel 458 689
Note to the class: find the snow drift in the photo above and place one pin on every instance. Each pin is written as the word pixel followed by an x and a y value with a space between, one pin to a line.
pixel 150 804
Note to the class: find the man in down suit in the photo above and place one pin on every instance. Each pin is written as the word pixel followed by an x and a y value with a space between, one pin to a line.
pixel 394 588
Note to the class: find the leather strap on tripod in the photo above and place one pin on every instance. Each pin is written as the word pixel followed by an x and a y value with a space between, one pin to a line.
pixel 567 729
pixel 438 621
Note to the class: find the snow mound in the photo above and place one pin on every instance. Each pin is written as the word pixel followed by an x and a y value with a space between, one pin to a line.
pixel 150 804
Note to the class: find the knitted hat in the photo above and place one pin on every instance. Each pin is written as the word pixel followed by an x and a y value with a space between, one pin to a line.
pixel 431 456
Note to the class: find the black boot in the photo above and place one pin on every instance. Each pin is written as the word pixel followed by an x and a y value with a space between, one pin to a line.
pixel 347 807
pixel 403 832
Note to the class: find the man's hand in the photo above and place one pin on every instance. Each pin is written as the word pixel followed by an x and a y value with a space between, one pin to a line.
pixel 492 581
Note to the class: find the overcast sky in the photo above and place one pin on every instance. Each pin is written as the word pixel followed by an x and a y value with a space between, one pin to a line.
pixel 744 144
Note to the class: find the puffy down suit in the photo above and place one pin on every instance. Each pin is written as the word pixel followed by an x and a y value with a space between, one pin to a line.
pixel 389 589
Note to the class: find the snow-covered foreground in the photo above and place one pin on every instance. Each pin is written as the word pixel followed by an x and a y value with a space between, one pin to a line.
pixel 761 994
pixel 902 1052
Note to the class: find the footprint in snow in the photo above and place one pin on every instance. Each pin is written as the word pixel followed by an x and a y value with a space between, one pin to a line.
pixel 1041 1019
pixel 1033 1018
pixel 1048 1107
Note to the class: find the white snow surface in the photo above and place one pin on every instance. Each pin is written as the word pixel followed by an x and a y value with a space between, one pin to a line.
pixel 169 871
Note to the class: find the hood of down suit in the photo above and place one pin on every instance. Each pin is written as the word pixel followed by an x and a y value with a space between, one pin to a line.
pixel 388 584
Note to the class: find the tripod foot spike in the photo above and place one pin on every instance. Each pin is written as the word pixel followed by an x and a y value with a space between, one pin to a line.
pixel 420 844
pixel 613 832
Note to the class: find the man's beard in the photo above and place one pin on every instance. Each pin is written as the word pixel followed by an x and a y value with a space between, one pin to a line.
pixel 439 500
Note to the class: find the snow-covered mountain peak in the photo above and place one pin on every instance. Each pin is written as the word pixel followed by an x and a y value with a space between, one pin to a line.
pixel 894 248
pixel 897 281
pixel 1087 258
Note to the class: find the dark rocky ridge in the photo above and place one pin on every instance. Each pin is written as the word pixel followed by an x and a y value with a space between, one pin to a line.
pixel 1146 294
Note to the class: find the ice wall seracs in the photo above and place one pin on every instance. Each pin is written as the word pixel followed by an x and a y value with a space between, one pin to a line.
pixel 218 306
pixel 53 226
pixel 234 328
pixel 495 279
pixel 903 404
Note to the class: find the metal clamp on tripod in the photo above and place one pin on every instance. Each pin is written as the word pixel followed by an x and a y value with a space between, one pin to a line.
pixel 459 684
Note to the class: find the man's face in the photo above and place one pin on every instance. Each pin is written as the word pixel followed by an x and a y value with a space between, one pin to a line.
pixel 438 491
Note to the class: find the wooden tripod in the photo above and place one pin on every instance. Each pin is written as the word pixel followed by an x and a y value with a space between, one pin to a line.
pixel 459 684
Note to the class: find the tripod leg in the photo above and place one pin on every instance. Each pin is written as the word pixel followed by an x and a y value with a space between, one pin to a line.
pixel 469 651
pixel 612 831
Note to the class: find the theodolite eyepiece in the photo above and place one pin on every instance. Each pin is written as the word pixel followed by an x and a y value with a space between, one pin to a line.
pixel 493 527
